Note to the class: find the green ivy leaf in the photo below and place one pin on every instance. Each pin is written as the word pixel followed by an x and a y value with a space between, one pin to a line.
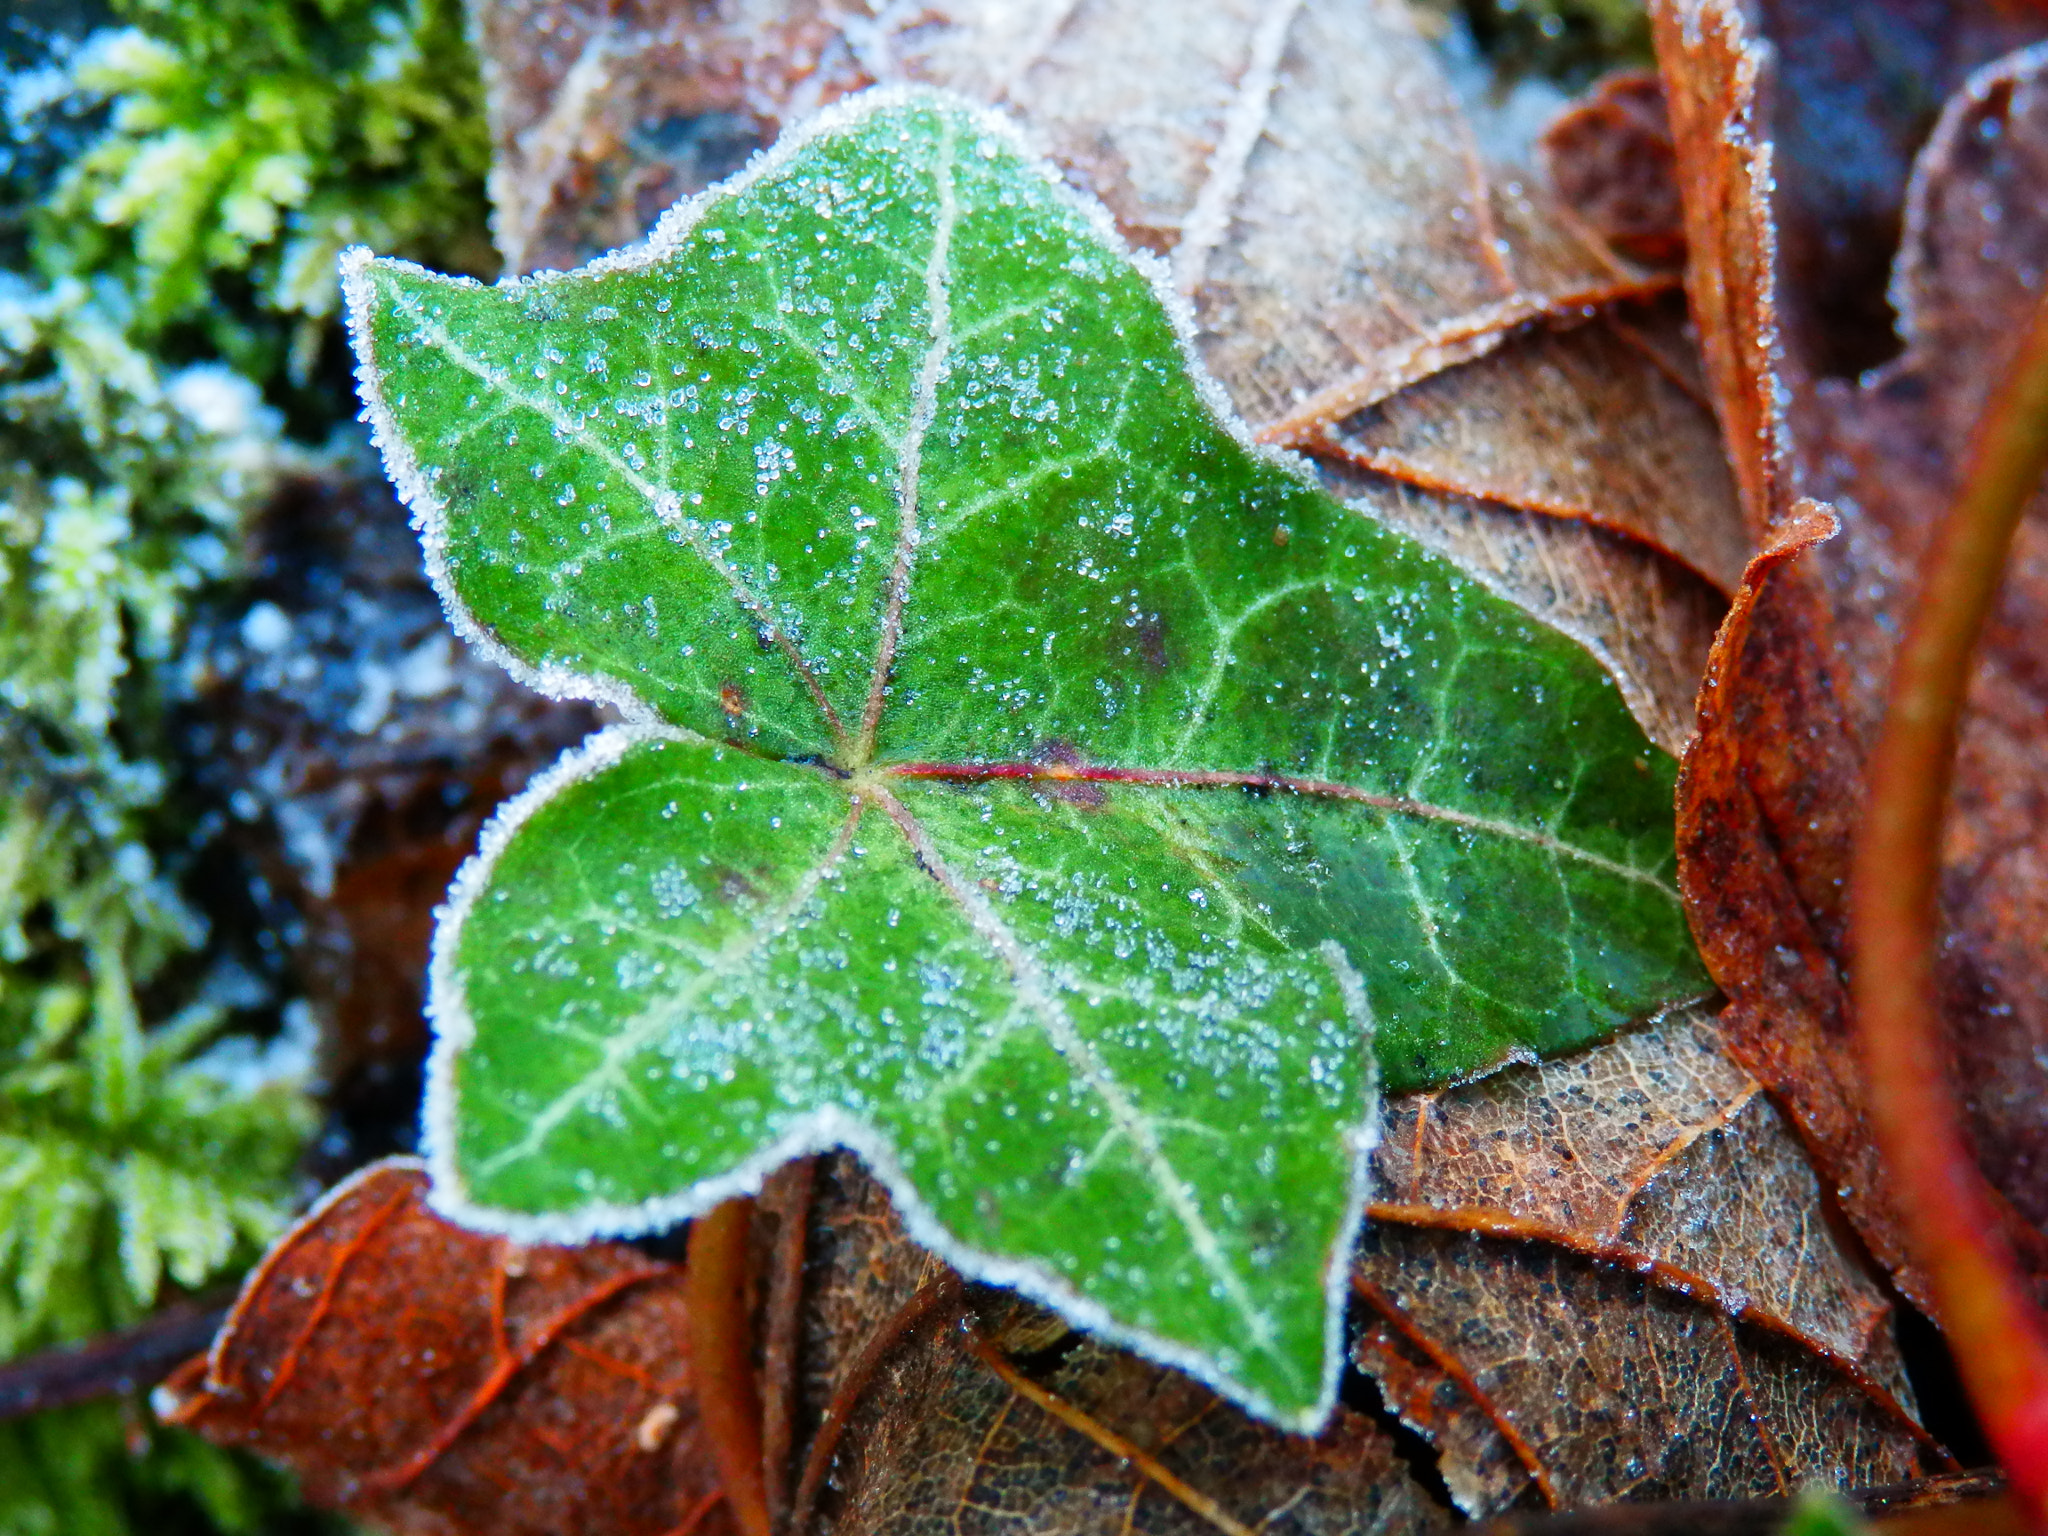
pixel 1028 783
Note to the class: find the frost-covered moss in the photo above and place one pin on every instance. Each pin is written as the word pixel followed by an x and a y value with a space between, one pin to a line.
pixel 128 1156
pixel 173 186
pixel 250 141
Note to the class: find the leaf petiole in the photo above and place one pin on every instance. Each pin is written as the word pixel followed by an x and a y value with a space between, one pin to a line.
pixel 722 1356
pixel 2001 1342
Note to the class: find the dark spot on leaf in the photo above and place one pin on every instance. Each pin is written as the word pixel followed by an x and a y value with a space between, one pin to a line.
pixel 1060 754
pixel 1152 645
pixel 734 885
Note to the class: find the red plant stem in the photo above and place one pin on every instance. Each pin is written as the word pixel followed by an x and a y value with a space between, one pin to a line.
pixel 783 1336
pixel 2000 1342
pixel 111 1365
pixel 722 1356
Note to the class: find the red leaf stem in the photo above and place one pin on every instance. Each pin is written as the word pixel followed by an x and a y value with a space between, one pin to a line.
pixel 2000 1340
pixel 722 1356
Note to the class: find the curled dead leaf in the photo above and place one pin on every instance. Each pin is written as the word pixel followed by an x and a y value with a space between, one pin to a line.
pixel 1611 160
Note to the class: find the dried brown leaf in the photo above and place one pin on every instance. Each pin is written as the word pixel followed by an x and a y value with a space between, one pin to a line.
pixel 1526 1364
pixel 1775 204
pixel 1656 1153
pixel 1642 1186
pixel 438 1381
pixel 1539 1374
pixel 1612 164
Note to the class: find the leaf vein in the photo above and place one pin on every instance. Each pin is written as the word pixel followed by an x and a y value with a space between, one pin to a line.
pixel 938 307
pixel 665 504
pixel 646 1026
pixel 1040 989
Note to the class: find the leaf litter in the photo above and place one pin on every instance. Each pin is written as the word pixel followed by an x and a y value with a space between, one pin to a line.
pixel 426 1377
pixel 1771 786
pixel 1730 1128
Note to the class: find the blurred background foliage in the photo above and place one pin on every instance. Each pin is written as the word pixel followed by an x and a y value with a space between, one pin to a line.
pixel 176 179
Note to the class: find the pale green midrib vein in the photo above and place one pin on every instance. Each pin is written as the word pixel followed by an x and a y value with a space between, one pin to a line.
pixel 645 1027
pixel 1219 779
pixel 939 312
pixel 1039 989
pixel 665 505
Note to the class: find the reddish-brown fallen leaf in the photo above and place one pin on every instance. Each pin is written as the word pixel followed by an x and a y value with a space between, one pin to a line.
pixel 1970 269
pixel 436 1380
pixel 1768 798
pixel 1611 162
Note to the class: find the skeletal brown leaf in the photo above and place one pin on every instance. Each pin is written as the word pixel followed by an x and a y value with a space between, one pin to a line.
pixel 1657 1160
pixel 1658 1153
pixel 1542 1376
pixel 1603 423
pixel 1527 1365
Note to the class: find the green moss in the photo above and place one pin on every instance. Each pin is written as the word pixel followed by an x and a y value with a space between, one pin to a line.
pixel 249 142
pixel 130 1156
pixel 172 196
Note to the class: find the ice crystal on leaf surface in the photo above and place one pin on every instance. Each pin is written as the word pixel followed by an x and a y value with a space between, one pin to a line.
pixel 1027 782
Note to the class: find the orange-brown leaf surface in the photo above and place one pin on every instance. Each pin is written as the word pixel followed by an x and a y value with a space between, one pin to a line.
pixel 1544 1379
pixel 439 1381
pixel 1783 213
